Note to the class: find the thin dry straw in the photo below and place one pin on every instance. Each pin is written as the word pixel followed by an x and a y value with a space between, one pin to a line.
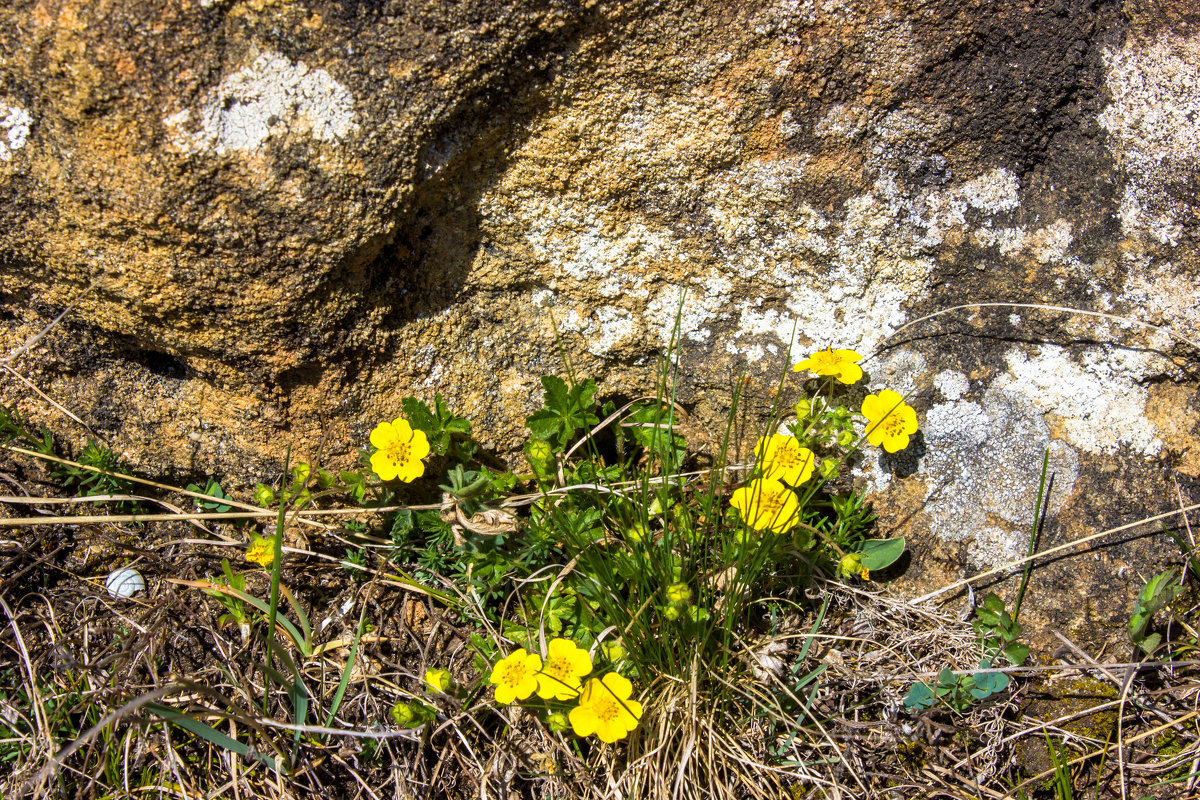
pixel 8 359
pixel 1021 561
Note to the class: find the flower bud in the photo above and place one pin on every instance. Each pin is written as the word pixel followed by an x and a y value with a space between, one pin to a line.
pixel 263 496
pixel 538 452
pixel 846 438
pixel 439 680
pixel 829 468
pixel 679 594
pixel 410 715
pixel 301 472
pixel 403 714
pixel 613 651
pixel 850 565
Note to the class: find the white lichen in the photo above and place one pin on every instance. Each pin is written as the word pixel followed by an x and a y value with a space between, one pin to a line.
pixel 1155 91
pixel 270 97
pixel 15 124
pixel 1100 399
pixel 982 468
pixel 951 383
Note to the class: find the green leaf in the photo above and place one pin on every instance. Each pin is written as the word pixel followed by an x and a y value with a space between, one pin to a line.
pixel 1150 643
pixel 556 396
pixel 881 553
pixel 920 696
pixel 544 424
pixel 993 603
pixel 1016 653
pixel 1155 595
pixel 402 526
pixel 209 734
pixel 419 416
pixel 947 681
pixel 565 410
pixel 989 681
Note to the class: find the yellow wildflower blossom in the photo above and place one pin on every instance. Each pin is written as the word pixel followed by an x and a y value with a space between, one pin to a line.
pixel 767 503
pixel 783 458
pixel 439 680
pixel 398 451
pixel 516 676
pixel 890 421
pixel 261 551
pixel 605 709
pixel 565 664
pixel 838 364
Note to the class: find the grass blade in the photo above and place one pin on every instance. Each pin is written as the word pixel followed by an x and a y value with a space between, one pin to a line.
pixel 209 733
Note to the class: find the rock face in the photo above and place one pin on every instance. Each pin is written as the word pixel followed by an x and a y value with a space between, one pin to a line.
pixel 290 215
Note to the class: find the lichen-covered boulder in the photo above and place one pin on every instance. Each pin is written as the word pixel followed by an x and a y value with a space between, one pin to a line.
pixel 291 216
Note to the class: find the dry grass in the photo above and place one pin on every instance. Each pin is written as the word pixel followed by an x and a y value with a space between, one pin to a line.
pixel 814 708
pixel 816 711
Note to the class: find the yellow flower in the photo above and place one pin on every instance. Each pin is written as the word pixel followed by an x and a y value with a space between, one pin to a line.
pixel 398 451
pixel 605 709
pixel 839 364
pixel 261 551
pixel 782 457
pixel 439 680
pixel 890 421
pixel 565 664
pixel 516 676
pixel 767 503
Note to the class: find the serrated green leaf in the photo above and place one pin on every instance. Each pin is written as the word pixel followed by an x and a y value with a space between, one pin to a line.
pixel 583 395
pixel 545 424
pixel 556 396
pixel 419 416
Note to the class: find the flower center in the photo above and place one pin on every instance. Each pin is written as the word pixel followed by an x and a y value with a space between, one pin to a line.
pixel 607 710
pixel 892 425
pixel 513 674
pixel 770 503
pixel 788 458
pixel 825 359
pixel 398 451
pixel 557 668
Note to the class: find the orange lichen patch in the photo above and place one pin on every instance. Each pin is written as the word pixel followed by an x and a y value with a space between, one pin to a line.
pixel 125 66
pixel 1173 412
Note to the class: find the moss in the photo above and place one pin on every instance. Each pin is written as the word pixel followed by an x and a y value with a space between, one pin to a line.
pixel 1065 699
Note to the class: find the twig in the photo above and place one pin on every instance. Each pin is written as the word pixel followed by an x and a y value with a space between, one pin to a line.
pixel 1019 562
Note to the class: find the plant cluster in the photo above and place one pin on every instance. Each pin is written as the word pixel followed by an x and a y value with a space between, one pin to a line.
pixel 634 566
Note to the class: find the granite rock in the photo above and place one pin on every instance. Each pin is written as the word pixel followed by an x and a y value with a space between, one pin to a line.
pixel 276 219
